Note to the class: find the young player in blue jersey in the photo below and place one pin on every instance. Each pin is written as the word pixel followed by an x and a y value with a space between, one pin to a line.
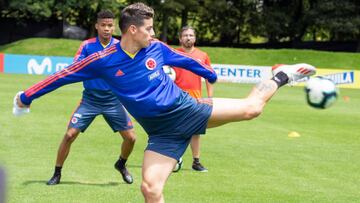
pixel 97 100
pixel 133 70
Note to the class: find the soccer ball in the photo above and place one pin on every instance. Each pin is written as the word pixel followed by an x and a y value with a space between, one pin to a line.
pixel 170 71
pixel 321 92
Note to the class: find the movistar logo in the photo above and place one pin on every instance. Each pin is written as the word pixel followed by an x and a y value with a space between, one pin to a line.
pixel 35 68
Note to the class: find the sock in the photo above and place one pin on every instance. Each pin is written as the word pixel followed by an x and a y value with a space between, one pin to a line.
pixel 121 162
pixel 196 160
pixel 57 170
pixel 280 78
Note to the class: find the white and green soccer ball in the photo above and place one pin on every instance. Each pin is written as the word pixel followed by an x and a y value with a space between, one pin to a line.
pixel 321 92
pixel 170 72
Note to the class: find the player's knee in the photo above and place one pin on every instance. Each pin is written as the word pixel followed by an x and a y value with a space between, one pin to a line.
pixel 254 109
pixel 70 136
pixel 129 135
pixel 145 189
pixel 150 191
pixel 132 138
pixel 254 113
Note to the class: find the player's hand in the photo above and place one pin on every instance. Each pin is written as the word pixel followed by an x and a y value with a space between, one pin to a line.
pixel 19 108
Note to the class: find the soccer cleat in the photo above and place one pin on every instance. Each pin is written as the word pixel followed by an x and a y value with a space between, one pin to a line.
pixel 178 165
pixel 127 177
pixel 197 166
pixel 295 72
pixel 54 180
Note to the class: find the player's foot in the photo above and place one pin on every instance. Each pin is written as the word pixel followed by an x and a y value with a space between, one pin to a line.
pixel 295 72
pixel 178 166
pixel 127 177
pixel 54 180
pixel 197 166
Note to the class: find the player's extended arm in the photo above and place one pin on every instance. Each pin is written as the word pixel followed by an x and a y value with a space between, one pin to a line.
pixel 78 71
pixel 179 59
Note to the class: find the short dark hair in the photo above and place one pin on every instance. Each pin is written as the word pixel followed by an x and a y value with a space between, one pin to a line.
pixel 105 14
pixel 187 27
pixel 134 14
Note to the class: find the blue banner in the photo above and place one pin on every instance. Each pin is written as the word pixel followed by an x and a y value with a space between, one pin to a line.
pixel 35 65
pixel 242 73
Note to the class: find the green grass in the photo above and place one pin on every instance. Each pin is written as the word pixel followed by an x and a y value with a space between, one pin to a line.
pixel 321 59
pixel 42 46
pixel 252 161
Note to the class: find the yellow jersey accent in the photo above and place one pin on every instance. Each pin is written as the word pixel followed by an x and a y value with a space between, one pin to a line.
pixel 104 46
pixel 129 54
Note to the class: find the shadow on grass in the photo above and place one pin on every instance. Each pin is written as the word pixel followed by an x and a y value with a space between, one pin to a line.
pixel 133 166
pixel 43 182
pixel 187 170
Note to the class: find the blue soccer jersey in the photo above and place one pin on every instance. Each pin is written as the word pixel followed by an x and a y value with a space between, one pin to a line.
pixel 86 48
pixel 139 82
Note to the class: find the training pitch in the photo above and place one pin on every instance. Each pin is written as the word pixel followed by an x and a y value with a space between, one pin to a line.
pixel 251 161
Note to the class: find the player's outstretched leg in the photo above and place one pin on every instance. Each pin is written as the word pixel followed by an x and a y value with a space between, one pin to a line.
pixel 231 110
pixel 295 72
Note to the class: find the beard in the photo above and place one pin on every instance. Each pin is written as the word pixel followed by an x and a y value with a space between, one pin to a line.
pixel 188 44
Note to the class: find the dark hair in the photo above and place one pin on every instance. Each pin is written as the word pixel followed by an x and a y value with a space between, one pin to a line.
pixel 105 14
pixel 187 27
pixel 134 14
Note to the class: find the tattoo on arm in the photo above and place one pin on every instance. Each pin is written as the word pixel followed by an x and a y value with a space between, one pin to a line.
pixel 264 87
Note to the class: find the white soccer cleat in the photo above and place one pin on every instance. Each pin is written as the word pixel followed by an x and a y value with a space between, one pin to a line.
pixel 19 111
pixel 295 72
pixel 178 165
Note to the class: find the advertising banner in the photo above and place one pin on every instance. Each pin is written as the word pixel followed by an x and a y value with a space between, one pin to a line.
pixel 46 65
pixel 242 73
pixel 342 78
pixel 35 65
pixel 1 63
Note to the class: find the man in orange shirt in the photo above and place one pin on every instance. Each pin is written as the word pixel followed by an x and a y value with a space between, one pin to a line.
pixel 191 83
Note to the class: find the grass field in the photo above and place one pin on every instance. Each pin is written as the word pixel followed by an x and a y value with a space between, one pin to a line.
pixel 253 161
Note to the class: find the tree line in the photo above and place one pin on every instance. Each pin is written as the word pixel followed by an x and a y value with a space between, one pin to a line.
pixel 223 22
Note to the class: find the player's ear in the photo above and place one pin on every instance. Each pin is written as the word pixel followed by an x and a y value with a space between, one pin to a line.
pixel 132 29
pixel 96 26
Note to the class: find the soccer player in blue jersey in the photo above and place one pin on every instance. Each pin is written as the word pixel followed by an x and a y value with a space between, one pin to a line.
pixel 97 100
pixel 133 70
